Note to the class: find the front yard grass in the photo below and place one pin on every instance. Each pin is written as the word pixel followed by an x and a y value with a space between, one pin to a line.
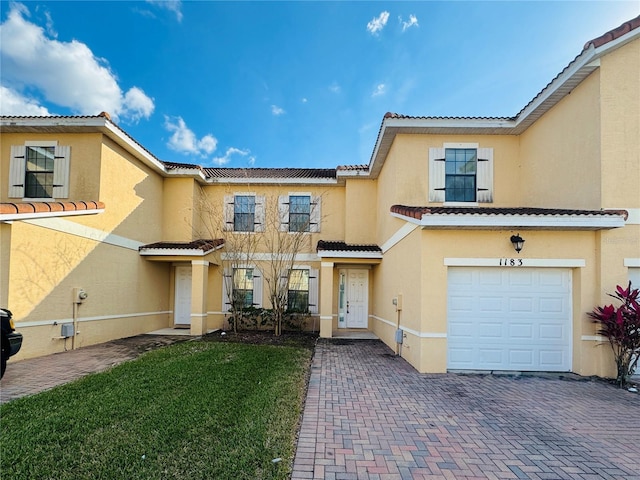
pixel 194 410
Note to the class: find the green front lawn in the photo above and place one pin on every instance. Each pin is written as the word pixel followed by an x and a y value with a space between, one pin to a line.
pixel 188 411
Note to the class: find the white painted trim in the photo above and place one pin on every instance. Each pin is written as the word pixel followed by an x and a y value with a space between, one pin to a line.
pixel 172 252
pixel 413 332
pixel 8 217
pixel 200 262
pixel 327 264
pixel 631 262
pixel 198 315
pixel 349 254
pixel 326 317
pixel 41 143
pixel 634 215
pixel 461 145
pixel 72 228
pixel 526 262
pixel 593 338
pixel 398 236
pixel 42 323
pixel 267 257
pixel 563 222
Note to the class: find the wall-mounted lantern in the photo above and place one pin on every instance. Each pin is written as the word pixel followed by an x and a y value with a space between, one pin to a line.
pixel 518 242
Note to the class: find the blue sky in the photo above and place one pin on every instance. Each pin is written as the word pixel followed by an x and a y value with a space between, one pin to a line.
pixel 284 84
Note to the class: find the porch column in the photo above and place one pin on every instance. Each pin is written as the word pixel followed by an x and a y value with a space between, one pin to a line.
pixel 326 299
pixel 199 281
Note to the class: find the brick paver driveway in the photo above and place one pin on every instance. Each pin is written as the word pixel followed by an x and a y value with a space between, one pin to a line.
pixel 369 415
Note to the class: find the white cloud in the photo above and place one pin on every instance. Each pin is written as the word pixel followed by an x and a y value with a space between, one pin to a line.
pixel 12 103
pixel 220 161
pixel 377 24
pixel 67 74
pixel 183 140
pixel 335 88
pixel 413 22
pixel 304 100
pixel 277 111
pixel 174 6
pixel 380 89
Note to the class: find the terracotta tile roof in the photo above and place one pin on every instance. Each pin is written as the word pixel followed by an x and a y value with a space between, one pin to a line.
pixel 274 173
pixel 352 167
pixel 345 247
pixel 201 244
pixel 611 35
pixel 418 212
pixel 176 165
pixel 48 207
pixel 410 117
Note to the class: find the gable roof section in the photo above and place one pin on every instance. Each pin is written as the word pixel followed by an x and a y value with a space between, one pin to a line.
pixel 567 80
pixel 271 175
pixel 487 218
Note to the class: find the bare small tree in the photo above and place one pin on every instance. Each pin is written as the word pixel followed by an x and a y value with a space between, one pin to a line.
pixel 273 228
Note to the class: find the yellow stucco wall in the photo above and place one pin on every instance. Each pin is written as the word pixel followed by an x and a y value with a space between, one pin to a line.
pixel 360 214
pixel 49 257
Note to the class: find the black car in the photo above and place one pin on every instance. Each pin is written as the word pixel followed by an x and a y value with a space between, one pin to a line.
pixel 11 340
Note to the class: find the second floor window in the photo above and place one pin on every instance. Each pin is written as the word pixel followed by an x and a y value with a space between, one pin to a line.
pixel 460 174
pixel 299 213
pixel 39 170
pixel 244 211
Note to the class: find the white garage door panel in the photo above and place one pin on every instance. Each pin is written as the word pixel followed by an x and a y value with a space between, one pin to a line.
pixel 509 319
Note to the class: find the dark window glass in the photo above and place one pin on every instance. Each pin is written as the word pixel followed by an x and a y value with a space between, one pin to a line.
pixel 242 288
pixel 244 212
pixel 460 174
pixel 39 172
pixel 299 213
pixel 298 294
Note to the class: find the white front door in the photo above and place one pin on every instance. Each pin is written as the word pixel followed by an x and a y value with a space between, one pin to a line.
pixel 357 306
pixel 182 310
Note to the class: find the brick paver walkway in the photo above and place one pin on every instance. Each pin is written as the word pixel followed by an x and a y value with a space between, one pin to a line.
pixel 369 415
pixel 34 375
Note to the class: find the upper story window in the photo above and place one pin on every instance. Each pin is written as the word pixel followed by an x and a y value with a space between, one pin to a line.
pixel 39 170
pixel 299 212
pixel 244 212
pixel 461 173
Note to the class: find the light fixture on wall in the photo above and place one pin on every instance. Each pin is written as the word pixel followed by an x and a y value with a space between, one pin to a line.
pixel 518 242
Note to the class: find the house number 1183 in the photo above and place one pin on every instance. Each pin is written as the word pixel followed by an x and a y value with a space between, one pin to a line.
pixel 511 262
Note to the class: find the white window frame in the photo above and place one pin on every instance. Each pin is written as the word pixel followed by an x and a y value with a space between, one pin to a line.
pixel 259 212
pixel 484 174
pixel 18 167
pixel 315 215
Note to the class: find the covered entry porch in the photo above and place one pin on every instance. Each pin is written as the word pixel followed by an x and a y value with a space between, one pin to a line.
pixel 345 286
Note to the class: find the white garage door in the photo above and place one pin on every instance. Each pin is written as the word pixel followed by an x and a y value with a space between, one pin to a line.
pixel 509 319
pixel 634 276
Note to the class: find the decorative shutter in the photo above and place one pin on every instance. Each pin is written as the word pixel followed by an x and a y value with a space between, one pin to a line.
pixel 17 171
pixel 228 213
pixel 61 172
pixel 313 291
pixel 259 213
pixel 257 288
pixel 227 286
pixel 436 175
pixel 484 179
pixel 315 217
pixel 283 212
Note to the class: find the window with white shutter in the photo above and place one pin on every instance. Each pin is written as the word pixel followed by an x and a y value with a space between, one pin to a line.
pixel 241 288
pixel 244 213
pixel 460 173
pixel 39 170
pixel 299 212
